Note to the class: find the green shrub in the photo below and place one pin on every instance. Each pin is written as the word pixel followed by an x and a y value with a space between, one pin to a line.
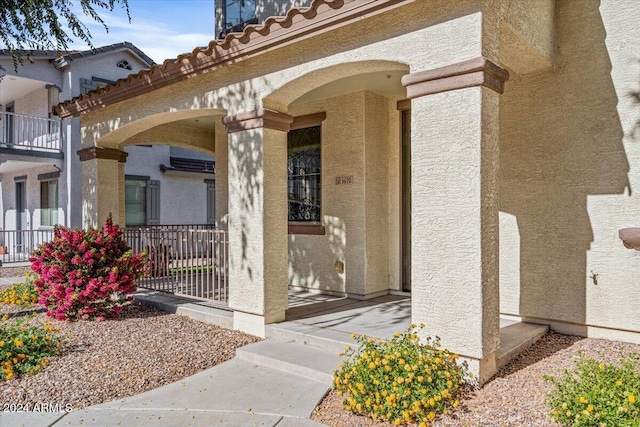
pixel 400 380
pixel 23 294
pixel 25 349
pixel 597 394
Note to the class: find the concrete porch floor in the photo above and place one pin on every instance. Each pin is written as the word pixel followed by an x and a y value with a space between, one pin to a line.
pixel 328 321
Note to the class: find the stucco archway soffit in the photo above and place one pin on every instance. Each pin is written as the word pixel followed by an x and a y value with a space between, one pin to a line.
pixel 474 72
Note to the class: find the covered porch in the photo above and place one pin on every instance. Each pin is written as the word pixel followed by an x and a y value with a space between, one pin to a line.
pixel 402 190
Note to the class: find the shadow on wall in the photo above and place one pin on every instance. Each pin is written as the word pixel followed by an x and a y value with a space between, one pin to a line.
pixel 312 258
pixel 561 141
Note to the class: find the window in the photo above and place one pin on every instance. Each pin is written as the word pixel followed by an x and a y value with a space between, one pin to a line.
pixel 49 202
pixel 238 11
pixel 141 200
pixel 304 179
pixel 135 201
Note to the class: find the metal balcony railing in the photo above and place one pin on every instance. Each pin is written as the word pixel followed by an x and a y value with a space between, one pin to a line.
pixel 17 245
pixel 20 131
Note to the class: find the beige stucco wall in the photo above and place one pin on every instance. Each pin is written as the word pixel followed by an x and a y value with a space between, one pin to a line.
pixel 355 144
pixel 526 32
pixel 569 175
pixel 312 258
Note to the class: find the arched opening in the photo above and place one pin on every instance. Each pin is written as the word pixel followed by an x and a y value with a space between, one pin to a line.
pixel 172 198
pixel 350 245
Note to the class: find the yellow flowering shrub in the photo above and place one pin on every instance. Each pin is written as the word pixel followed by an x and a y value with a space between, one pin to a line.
pixel 596 394
pixel 25 349
pixel 401 380
pixel 23 294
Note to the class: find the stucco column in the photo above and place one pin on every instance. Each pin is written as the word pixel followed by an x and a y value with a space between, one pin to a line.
pixel 454 155
pixel 257 174
pixel 102 185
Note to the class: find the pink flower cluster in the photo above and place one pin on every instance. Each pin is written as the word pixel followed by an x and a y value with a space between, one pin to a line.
pixel 86 274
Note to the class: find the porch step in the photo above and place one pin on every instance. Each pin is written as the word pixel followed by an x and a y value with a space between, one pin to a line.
pixel 304 360
pixel 516 338
pixel 327 339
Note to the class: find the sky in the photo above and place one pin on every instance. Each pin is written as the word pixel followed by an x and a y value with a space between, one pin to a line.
pixel 162 29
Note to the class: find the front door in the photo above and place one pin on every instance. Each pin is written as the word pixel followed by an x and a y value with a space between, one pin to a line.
pixel 406 200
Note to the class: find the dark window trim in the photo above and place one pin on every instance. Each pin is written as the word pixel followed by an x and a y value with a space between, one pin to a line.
pixel 101 80
pixel 308 229
pixel 20 178
pixel 308 121
pixel 404 105
pixel 137 177
pixel 49 176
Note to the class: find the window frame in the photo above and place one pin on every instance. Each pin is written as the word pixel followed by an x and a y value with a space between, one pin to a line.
pixel 309 227
pixel 230 24
pixel 136 178
pixel 51 206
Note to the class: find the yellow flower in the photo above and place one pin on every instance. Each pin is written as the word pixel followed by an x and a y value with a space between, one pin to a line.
pixel 632 399
pixel 583 399
pixel 602 365
pixel 18 342
pixel 618 383
pixel 590 408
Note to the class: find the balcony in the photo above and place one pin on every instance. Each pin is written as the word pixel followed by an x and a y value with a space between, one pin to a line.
pixel 28 135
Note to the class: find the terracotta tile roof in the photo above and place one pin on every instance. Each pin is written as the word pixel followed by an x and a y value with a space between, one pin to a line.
pixel 298 24
pixel 77 54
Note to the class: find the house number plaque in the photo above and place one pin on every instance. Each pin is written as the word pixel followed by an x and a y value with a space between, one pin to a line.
pixel 344 180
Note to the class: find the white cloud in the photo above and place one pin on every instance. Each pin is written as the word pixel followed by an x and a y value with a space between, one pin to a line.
pixel 156 39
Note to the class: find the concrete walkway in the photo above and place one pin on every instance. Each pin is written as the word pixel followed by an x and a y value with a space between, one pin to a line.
pixel 275 382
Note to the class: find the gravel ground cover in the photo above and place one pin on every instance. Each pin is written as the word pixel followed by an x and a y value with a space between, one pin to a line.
pixel 101 361
pixel 13 271
pixel 514 397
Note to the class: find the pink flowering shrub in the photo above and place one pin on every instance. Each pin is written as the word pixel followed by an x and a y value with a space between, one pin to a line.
pixel 86 274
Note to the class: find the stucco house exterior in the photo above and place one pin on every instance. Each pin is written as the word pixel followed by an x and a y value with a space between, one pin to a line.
pixel 40 171
pixel 479 154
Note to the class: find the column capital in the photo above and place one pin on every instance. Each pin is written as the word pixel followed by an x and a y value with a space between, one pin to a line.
pixel 260 118
pixel 474 72
pixel 102 153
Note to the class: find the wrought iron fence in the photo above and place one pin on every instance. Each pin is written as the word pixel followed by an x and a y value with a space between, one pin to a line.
pixel 24 132
pixel 185 260
pixel 17 245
